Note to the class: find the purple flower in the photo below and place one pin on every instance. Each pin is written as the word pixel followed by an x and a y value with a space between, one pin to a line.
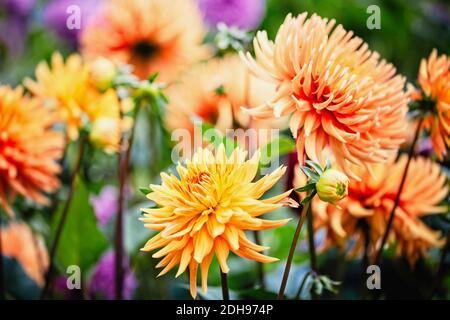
pixel 58 17
pixel 105 204
pixel 243 14
pixel 103 279
pixel 14 24
pixel 425 147
pixel 20 8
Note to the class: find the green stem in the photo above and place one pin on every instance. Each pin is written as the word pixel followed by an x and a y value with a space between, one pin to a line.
pixel 302 285
pixel 259 266
pixel 54 247
pixel 287 269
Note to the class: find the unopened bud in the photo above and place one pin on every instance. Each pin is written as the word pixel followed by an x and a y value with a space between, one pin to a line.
pixel 103 72
pixel 332 186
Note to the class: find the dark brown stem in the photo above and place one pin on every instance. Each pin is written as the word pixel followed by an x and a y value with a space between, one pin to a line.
pixel 124 163
pixel 312 247
pixel 440 274
pixel 62 221
pixel 400 189
pixel 287 269
pixel 224 281
pixel 302 285
pixel 259 266
pixel 2 272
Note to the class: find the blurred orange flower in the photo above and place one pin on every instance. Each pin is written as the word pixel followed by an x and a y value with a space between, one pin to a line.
pixel 67 88
pixel 434 80
pixel 207 210
pixel 19 242
pixel 151 35
pixel 370 202
pixel 339 94
pixel 29 149
pixel 215 91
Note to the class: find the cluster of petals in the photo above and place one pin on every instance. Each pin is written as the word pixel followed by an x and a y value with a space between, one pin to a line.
pixel 205 210
pixel 343 100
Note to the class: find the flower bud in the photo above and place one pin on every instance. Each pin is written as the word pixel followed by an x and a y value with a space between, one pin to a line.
pixel 105 134
pixel 103 72
pixel 332 186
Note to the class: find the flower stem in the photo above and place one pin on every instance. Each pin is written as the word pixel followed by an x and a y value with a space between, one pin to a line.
pixel 2 272
pixel 124 163
pixel 287 269
pixel 312 247
pixel 400 189
pixel 224 281
pixel 54 247
pixel 302 285
pixel 441 271
pixel 259 266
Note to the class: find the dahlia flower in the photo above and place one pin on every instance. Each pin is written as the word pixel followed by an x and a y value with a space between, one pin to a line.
pixel 372 199
pixel 434 80
pixel 244 14
pixel 151 35
pixel 214 92
pixel 68 89
pixel 19 242
pixel 207 210
pixel 29 149
pixel 339 94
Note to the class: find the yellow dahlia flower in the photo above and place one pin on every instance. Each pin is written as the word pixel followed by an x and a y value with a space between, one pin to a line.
pixel 340 95
pixel 67 88
pixel 371 200
pixel 29 149
pixel 206 211
pixel 434 80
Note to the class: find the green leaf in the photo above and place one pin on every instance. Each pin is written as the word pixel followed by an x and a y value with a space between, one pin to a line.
pixel 308 187
pixel 17 282
pixel 81 242
pixel 285 145
pixel 153 77
pixel 315 166
pixel 145 191
pixel 312 175
pixel 213 136
pixel 309 197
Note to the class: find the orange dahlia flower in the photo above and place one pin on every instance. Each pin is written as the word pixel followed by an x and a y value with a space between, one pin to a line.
pixel 207 210
pixel 434 80
pixel 151 35
pixel 215 91
pixel 29 149
pixel 67 88
pixel 19 242
pixel 339 94
pixel 370 202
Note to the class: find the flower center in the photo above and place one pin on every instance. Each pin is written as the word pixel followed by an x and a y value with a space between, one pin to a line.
pixel 145 49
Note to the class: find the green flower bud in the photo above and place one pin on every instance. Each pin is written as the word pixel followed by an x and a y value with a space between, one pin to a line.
pixel 103 72
pixel 332 186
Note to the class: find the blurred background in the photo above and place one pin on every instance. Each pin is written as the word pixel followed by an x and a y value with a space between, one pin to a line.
pixel 31 30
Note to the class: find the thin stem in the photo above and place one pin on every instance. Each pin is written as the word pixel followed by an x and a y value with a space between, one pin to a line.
pixel 54 247
pixel 2 272
pixel 259 266
pixel 224 281
pixel 441 271
pixel 302 285
pixel 400 189
pixel 287 269
pixel 124 163
pixel 312 247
